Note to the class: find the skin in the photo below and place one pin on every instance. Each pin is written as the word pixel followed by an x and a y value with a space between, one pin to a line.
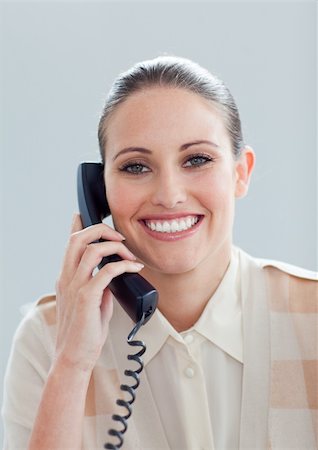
pixel 170 183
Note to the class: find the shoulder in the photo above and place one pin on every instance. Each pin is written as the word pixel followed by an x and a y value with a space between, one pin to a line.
pixel 271 265
pixel 291 288
pixel 40 313
pixel 37 327
pixel 288 269
pixel 46 307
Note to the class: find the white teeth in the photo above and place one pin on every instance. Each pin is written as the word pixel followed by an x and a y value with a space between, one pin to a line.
pixel 166 227
pixel 172 226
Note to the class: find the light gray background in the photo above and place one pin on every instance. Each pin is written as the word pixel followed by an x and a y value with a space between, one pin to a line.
pixel 58 60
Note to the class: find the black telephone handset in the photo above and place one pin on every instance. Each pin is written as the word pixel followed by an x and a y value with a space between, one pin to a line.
pixel 134 293
pixel 138 297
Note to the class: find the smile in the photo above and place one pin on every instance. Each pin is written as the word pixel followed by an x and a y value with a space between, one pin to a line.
pixel 172 226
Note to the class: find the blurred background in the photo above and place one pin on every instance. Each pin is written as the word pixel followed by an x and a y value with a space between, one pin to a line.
pixel 58 60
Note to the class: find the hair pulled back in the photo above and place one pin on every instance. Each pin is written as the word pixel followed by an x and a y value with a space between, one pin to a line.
pixel 175 72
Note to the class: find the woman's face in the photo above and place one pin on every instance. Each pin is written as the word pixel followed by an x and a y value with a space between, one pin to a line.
pixel 170 178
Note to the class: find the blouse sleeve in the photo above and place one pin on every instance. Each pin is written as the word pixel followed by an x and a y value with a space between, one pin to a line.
pixel 26 373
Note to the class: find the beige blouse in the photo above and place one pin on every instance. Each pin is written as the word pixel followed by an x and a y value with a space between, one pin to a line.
pixel 243 377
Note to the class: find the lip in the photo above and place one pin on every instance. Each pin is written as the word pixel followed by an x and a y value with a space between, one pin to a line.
pixel 170 216
pixel 171 236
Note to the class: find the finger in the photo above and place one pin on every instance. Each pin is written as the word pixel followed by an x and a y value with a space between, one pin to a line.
pixel 100 231
pixel 106 310
pixel 94 289
pixel 78 243
pixel 76 223
pixel 75 227
pixel 94 254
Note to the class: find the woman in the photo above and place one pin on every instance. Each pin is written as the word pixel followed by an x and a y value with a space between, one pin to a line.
pixel 230 359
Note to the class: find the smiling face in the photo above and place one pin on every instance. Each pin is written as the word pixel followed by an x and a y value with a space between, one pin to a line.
pixel 171 179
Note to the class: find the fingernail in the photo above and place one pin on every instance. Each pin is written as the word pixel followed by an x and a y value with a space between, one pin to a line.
pixel 139 266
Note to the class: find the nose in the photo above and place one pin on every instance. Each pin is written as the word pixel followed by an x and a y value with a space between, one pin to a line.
pixel 169 190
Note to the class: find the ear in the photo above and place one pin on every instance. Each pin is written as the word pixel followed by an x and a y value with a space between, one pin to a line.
pixel 243 170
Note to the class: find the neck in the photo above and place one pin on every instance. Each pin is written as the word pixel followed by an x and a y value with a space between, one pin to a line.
pixel 183 296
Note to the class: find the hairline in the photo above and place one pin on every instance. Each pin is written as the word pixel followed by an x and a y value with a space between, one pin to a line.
pixel 159 84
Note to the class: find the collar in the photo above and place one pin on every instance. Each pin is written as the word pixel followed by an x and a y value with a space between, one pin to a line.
pixel 220 322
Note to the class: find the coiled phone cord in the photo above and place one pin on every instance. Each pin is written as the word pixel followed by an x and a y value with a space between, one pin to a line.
pixel 130 389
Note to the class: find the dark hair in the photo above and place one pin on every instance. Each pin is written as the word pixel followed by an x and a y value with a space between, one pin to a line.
pixel 173 72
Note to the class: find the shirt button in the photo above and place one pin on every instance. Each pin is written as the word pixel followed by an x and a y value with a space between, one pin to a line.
pixel 188 339
pixel 189 372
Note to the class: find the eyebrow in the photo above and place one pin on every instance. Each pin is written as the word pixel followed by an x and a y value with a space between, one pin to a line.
pixel 147 151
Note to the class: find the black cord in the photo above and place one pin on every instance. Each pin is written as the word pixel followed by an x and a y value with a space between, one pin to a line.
pixel 130 389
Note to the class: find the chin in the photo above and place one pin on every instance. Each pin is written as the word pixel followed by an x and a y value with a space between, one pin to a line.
pixel 172 267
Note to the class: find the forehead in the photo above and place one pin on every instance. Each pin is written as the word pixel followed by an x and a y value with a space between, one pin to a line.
pixel 164 115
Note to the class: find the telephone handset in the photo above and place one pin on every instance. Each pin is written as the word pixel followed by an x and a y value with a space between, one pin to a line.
pixel 133 292
pixel 137 297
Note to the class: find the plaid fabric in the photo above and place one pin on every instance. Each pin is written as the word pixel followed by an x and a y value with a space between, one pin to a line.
pixel 294 360
pixel 279 398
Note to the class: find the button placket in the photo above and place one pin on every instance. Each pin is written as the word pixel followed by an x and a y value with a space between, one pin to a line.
pixel 189 372
pixel 189 338
pixel 196 413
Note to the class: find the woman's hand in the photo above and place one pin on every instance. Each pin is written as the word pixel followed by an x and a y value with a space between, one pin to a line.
pixel 84 302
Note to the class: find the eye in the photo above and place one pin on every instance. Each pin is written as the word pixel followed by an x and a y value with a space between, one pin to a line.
pixel 197 160
pixel 135 168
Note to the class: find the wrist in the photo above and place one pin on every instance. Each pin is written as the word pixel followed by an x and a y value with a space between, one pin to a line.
pixel 67 369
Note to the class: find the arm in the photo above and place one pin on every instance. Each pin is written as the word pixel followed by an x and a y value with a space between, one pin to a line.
pixel 83 312
pixel 60 415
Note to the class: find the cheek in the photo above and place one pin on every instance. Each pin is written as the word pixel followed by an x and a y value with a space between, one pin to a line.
pixel 217 191
pixel 123 201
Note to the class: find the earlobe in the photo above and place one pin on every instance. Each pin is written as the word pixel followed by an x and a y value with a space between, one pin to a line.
pixel 243 169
